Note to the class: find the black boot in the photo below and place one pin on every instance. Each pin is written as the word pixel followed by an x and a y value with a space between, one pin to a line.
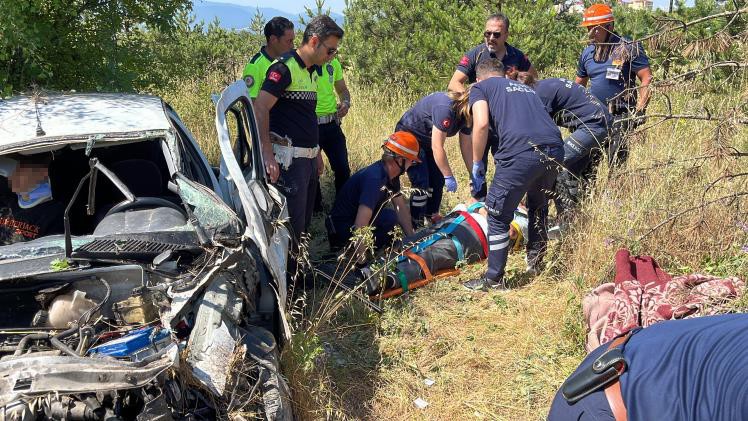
pixel 485 284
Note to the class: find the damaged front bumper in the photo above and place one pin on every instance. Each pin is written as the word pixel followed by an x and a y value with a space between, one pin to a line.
pixel 28 376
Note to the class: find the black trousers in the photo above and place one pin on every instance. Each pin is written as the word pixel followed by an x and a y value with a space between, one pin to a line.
pixel 333 143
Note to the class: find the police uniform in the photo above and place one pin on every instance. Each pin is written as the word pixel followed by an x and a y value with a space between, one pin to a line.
pixel 514 60
pixel 434 110
pixel 255 71
pixel 370 187
pixel 691 369
pixel 613 81
pixel 331 137
pixel 293 117
pixel 577 110
pixel 526 162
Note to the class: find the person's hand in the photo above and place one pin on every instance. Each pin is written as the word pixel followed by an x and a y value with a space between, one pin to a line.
pixel 271 165
pixel 450 183
pixel 343 108
pixel 320 164
pixel 478 175
pixel 641 117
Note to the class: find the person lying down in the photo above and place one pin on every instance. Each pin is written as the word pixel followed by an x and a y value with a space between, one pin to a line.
pixel 457 239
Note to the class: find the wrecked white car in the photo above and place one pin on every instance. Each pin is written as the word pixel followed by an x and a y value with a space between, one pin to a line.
pixel 162 297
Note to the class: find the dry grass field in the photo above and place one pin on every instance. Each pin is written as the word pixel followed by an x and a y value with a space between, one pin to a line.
pixel 681 198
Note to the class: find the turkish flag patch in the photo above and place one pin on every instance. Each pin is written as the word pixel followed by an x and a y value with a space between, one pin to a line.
pixel 274 76
pixel 446 123
pixel 464 61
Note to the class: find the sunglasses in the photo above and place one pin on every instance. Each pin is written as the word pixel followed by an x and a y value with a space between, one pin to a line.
pixel 489 34
pixel 330 51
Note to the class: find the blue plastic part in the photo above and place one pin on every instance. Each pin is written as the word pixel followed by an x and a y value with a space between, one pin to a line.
pixel 443 232
pixel 134 343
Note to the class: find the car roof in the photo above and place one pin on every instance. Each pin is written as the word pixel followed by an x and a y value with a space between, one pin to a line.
pixel 72 118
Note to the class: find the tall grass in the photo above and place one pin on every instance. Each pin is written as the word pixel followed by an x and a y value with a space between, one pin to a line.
pixel 503 355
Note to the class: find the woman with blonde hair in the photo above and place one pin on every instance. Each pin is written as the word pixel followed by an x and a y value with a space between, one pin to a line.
pixel 432 120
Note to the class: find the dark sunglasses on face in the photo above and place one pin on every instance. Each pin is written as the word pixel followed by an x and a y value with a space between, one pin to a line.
pixel 330 51
pixel 495 34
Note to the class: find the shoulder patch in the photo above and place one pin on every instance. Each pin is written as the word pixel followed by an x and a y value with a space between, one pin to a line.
pixel 255 57
pixel 446 123
pixel 249 81
pixel 464 61
pixel 274 76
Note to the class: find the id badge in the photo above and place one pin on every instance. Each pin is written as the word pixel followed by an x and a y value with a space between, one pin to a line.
pixel 613 73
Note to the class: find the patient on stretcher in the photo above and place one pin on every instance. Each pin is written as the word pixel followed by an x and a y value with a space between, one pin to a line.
pixel 458 238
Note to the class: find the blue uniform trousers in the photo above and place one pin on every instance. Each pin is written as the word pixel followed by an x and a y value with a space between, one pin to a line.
pixel 579 147
pixel 426 177
pixel 532 172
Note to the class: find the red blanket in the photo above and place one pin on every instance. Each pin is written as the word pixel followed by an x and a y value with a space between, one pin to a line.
pixel 643 294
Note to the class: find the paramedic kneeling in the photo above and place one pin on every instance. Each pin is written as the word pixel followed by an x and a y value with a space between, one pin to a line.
pixel 526 161
pixel 690 369
pixel 361 200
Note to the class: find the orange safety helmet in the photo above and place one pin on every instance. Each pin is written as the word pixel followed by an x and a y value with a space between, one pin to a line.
pixel 597 14
pixel 403 144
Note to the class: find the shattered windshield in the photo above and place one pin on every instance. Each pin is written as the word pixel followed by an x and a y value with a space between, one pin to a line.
pixel 211 213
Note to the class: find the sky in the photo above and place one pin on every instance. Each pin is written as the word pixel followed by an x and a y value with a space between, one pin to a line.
pixel 290 6
pixel 295 6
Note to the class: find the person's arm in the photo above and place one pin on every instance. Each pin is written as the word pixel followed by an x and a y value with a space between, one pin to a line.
pixel 403 214
pixel 457 83
pixel 440 155
pixel 582 76
pixel 645 77
pixel 533 72
pixel 363 216
pixel 262 105
pixel 480 129
pixel 345 97
pixel 466 150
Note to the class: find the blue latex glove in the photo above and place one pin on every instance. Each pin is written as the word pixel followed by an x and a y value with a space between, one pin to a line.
pixel 450 183
pixel 478 175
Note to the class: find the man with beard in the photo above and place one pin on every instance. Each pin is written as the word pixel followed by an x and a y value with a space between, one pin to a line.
pixel 494 46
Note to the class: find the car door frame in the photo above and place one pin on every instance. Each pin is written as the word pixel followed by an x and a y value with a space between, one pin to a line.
pixel 274 252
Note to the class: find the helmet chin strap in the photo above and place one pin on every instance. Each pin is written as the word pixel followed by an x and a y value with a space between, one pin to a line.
pixel 400 164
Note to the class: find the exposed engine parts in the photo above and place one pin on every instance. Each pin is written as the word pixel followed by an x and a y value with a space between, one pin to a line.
pixel 107 344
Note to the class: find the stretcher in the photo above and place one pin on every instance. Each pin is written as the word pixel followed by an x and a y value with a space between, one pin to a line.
pixel 432 253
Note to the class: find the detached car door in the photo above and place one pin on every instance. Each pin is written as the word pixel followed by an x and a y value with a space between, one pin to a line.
pixel 242 179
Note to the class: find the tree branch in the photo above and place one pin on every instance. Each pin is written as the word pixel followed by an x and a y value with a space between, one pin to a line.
pixel 684 25
pixel 692 73
pixel 672 218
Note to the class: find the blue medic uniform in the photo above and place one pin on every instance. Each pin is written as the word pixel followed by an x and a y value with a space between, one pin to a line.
pixel 613 82
pixel 618 73
pixel 294 116
pixel 526 162
pixel 691 369
pixel 577 110
pixel 434 110
pixel 514 60
pixel 370 187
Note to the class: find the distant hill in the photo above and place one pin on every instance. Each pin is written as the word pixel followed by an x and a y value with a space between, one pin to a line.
pixel 234 16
